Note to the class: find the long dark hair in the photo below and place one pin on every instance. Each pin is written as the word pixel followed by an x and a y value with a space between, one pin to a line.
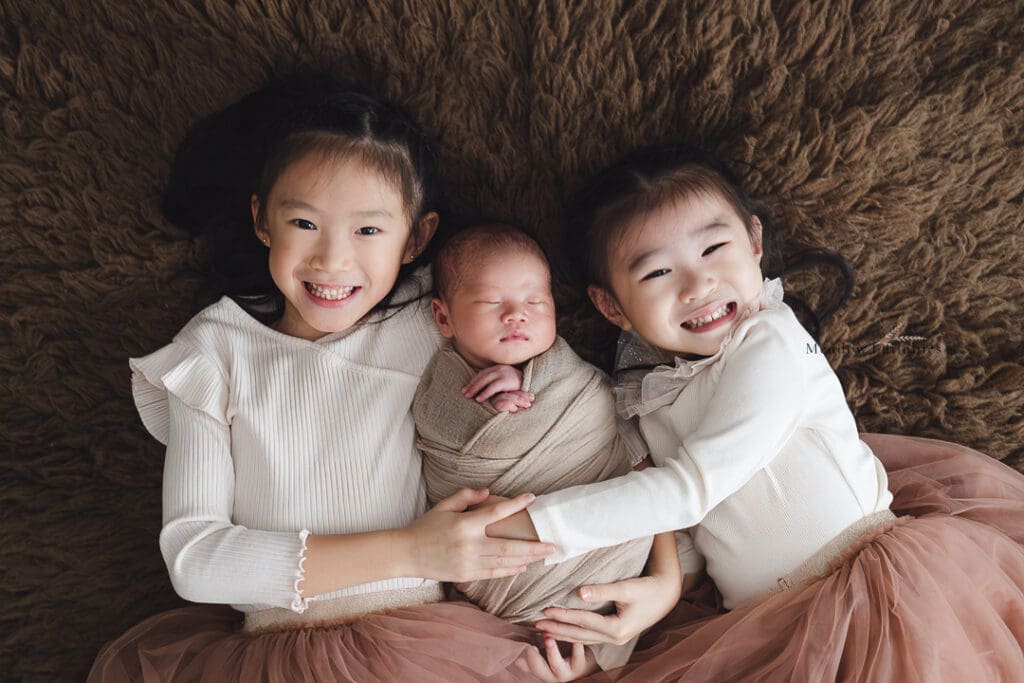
pixel 241 151
pixel 647 178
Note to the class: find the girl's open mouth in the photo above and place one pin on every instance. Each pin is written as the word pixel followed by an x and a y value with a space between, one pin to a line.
pixel 711 320
pixel 329 296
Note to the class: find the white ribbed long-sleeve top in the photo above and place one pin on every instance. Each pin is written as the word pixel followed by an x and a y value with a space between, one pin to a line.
pixel 757 454
pixel 271 437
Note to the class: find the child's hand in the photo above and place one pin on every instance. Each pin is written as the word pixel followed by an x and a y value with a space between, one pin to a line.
pixel 555 668
pixel 450 544
pixel 639 604
pixel 493 380
pixel 512 401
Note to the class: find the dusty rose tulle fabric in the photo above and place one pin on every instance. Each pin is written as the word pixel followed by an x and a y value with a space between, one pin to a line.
pixel 437 643
pixel 939 596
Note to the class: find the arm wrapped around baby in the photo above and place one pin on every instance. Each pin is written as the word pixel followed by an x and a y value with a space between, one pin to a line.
pixel 567 437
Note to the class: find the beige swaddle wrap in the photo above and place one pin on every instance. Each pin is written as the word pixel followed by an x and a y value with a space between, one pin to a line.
pixel 567 437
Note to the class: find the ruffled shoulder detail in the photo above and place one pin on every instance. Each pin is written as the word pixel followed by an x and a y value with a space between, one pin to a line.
pixel 176 369
pixel 641 393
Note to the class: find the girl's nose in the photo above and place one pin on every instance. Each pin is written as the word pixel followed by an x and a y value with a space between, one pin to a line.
pixel 699 288
pixel 331 255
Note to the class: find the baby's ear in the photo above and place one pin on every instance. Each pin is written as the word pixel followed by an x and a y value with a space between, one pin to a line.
pixel 609 307
pixel 441 319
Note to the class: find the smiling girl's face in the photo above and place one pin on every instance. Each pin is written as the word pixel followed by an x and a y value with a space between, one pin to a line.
pixel 338 233
pixel 681 275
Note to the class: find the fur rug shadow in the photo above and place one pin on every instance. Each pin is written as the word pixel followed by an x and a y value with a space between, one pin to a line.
pixel 891 131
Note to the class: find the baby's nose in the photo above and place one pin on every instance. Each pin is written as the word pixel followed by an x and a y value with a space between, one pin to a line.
pixel 515 315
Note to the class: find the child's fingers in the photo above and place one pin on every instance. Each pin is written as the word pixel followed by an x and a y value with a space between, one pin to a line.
pixel 577 625
pixel 528 551
pixel 559 667
pixel 571 634
pixel 578 659
pixel 493 513
pixel 462 499
pixel 621 591
pixel 537 665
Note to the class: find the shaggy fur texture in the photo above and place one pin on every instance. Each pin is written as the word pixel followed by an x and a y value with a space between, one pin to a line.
pixel 891 131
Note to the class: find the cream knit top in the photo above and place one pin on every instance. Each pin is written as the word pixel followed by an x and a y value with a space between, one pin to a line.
pixel 271 438
pixel 757 455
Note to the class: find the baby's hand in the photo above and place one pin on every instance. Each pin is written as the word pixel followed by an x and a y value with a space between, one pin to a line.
pixel 512 401
pixel 493 380
pixel 556 667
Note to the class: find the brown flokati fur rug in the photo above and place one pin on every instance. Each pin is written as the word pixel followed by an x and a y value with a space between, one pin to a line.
pixel 891 131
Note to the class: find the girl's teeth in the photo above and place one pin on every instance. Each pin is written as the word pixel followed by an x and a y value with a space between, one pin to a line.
pixel 700 322
pixel 329 293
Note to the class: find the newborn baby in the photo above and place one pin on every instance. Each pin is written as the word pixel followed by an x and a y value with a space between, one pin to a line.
pixel 558 429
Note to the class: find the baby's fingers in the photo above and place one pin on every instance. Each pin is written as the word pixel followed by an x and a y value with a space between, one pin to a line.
pixel 523 399
pixel 479 381
pixel 491 381
pixel 504 404
pixel 533 662
pixel 559 667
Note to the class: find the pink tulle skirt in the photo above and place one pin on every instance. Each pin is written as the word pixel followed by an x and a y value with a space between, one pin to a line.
pixel 439 642
pixel 938 595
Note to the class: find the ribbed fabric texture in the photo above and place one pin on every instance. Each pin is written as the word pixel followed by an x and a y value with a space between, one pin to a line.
pixel 270 437
pixel 759 454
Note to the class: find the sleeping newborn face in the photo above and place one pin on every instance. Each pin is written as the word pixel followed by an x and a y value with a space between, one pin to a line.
pixel 501 311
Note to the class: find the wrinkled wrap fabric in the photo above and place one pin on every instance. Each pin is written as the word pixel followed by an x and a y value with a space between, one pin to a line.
pixel 567 437
pixel 936 595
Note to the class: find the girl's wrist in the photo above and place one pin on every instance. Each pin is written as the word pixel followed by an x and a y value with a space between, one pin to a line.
pixel 404 552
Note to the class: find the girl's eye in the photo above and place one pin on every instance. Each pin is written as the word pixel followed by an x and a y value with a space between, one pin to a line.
pixel 655 273
pixel 713 248
pixel 304 224
pixel 368 230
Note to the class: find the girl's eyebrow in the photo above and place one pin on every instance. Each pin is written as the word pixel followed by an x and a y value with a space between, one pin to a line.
pixel 637 261
pixel 297 204
pixel 369 213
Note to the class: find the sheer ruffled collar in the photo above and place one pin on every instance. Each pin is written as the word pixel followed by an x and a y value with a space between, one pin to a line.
pixel 641 391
